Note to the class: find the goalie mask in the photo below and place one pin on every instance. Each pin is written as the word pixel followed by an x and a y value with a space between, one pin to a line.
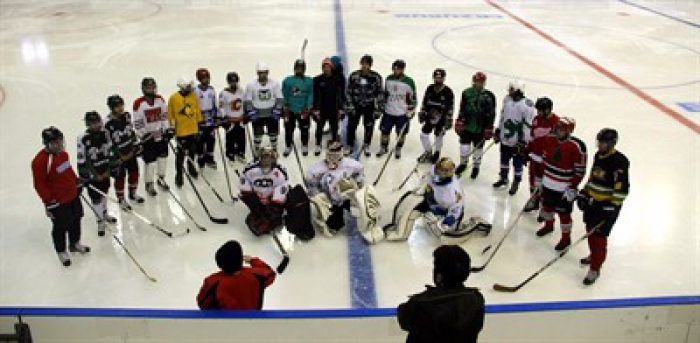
pixel 443 171
pixel 267 159
pixel 334 154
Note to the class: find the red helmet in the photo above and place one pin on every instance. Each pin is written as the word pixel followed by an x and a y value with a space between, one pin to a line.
pixel 202 73
pixel 566 123
pixel 479 77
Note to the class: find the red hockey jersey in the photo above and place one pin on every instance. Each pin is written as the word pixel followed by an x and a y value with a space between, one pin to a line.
pixel 542 126
pixel 561 164
pixel 54 178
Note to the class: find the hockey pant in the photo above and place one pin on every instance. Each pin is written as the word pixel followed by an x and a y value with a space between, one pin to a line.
pixel 66 221
pixel 290 125
pixel 262 218
pixel 438 128
pixel 509 153
pixel 205 145
pixel 298 217
pixel 365 113
pixel 259 126
pixel 601 216
pixel 397 123
pixel 471 144
pixel 186 145
pixel 131 168
pixel 553 201
pixel 98 201
pixel 154 153
pixel 235 139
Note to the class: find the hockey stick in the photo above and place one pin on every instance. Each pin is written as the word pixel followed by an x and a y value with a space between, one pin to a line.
pixel 250 143
pixel 186 211
pixel 394 212
pixel 139 216
pixel 133 259
pixel 201 201
pixel 201 172
pixel 303 48
pixel 511 289
pixel 223 159
pixel 301 167
pixel 505 235
pixel 388 157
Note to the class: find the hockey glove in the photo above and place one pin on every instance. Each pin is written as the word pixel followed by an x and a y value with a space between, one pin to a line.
pixel 488 133
pixel 411 113
pixel 422 117
pixel 570 194
pixel 276 114
pixel 449 221
pixel 316 115
pixel 252 115
pixel 583 201
pixel 169 134
pixel 51 208
pixel 448 125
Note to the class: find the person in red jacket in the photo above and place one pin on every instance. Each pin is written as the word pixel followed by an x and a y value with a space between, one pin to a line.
pixel 235 287
pixel 57 185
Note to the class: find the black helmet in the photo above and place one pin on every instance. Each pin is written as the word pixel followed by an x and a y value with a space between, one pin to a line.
pixel 232 77
pixel 544 104
pixel 400 64
pixel 148 82
pixel 92 117
pixel 367 59
pixel 439 72
pixel 299 63
pixel 50 134
pixel 608 135
pixel 114 101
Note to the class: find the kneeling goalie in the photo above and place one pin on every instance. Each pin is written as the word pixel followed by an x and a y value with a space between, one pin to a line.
pixel 264 189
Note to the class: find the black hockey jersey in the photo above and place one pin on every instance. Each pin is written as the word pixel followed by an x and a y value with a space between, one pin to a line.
pixel 95 154
pixel 609 179
pixel 440 100
pixel 329 92
pixel 365 90
pixel 121 133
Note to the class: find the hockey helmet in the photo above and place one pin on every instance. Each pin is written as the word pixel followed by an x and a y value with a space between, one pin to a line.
pixel 608 135
pixel 300 63
pixel 334 154
pixel 544 104
pixel 566 124
pixel 267 157
pixel 50 137
pixel 93 120
pixel 232 77
pixel 262 67
pixel 202 73
pixel 517 85
pixel 367 59
pixel 444 171
pixel 479 77
pixel 183 82
pixel 439 72
pixel 114 101
pixel 398 64
pixel 148 86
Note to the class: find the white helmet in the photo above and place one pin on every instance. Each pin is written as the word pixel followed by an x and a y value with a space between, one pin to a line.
pixel 517 85
pixel 261 66
pixel 185 81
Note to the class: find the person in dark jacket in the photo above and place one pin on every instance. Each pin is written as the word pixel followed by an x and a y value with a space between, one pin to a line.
pixel 235 287
pixel 449 311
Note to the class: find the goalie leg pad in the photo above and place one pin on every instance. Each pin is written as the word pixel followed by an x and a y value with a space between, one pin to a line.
pixel 465 230
pixel 410 209
pixel 320 212
pixel 365 207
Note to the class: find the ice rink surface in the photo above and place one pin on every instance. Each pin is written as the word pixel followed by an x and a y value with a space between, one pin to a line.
pixel 617 64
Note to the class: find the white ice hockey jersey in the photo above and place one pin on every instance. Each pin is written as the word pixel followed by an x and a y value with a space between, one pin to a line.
pixel 270 187
pixel 150 118
pixel 448 197
pixel 516 121
pixel 264 97
pixel 231 104
pixel 320 178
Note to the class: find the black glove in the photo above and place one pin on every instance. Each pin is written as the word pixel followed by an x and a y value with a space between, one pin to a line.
pixel 169 134
pixel 422 117
pixel 583 201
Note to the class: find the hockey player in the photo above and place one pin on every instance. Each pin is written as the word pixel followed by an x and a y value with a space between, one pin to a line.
pixel 150 121
pixel 563 167
pixel 231 107
pixel 126 149
pixel 366 98
pixel 400 94
pixel 57 185
pixel 263 104
pixel 336 184
pixel 298 91
pixel 441 204
pixel 329 101
pixel 186 118
pixel 436 116
pixel 264 188
pixel 474 125
pixel 542 125
pixel 207 104
pixel 96 160
pixel 513 133
pixel 602 197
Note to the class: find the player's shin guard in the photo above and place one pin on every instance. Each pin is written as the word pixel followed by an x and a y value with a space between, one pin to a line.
pixel 566 226
pixel 162 164
pixel 425 141
pixel 148 170
pixel 385 140
pixel 365 207
pixel 599 250
pixel 476 156
pixel 438 142
pixel 547 213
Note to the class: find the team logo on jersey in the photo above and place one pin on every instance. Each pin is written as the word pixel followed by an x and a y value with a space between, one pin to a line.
pixel 598 173
pixel 263 183
pixel 296 91
pixel 264 95
pixel 363 82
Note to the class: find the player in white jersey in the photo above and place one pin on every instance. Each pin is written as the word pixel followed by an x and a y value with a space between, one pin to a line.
pixel 263 106
pixel 513 133
pixel 264 189
pixel 150 120
pixel 400 95
pixel 337 184
pixel 206 95
pixel 231 108
pixel 441 204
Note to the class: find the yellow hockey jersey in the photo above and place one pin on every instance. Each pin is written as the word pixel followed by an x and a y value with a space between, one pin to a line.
pixel 184 114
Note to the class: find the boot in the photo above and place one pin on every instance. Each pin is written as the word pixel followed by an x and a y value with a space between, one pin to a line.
pixel 367 152
pixel 545 230
pixel 532 205
pixel 382 151
pixel 109 219
pixel 564 242
pixel 397 153
pixel 287 151
pixel 425 157
pixel 179 181
pixel 162 184
pixel 77 247
pixel 585 261
pixel 305 150
pixel 460 169
pixel 591 277
pixel 502 181
pixel 64 257
pixel 514 187
pixel 101 228
pixel 435 157
pixel 135 198
pixel 192 170
pixel 150 189
pixel 123 204
pixel 475 172
pixel 317 150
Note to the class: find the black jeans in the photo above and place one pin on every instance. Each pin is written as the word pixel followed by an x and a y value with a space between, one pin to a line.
pixel 186 145
pixel 235 139
pixel 289 126
pixel 66 220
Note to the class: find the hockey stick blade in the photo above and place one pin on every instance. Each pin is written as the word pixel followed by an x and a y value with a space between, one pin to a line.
pixel 219 220
pixel 187 231
pixel 477 269
pixel 486 249
pixel 501 288
pixel 283 265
